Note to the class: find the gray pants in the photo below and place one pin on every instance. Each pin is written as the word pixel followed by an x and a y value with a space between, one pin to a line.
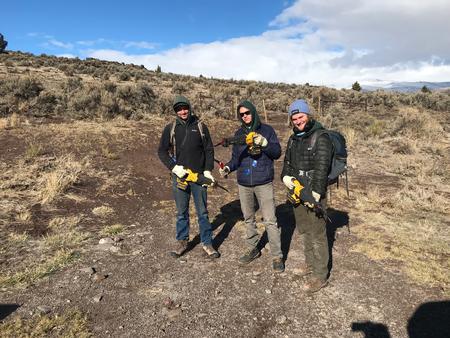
pixel 266 201
pixel 314 231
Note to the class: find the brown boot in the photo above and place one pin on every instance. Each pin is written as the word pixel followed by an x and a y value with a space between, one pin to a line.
pixel 302 270
pixel 210 251
pixel 180 248
pixel 314 284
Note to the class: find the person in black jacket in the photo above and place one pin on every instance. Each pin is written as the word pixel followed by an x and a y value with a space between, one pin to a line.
pixel 187 145
pixel 254 164
pixel 309 164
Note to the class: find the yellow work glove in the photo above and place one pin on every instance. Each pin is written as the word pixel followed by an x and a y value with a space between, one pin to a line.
pixel 249 139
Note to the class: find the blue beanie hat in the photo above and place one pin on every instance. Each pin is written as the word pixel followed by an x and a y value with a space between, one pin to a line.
pixel 298 106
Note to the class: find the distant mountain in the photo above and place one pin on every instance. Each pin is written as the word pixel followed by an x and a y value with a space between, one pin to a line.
pixel 405 87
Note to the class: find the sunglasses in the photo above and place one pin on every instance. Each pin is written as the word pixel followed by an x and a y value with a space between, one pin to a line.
pixel 179 108
pixel 248 112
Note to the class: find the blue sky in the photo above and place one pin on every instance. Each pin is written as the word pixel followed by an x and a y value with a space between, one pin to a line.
pixel 162 24
pixel 322 42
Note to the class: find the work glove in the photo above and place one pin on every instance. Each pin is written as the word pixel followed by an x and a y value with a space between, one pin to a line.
pixel 224 171
pixel 309 205
pixel 208 175
pixel 288 182
pixel 316 196
pixel 179 171
pixel 260 140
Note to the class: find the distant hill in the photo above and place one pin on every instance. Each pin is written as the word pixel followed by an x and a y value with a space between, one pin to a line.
pixel 407 87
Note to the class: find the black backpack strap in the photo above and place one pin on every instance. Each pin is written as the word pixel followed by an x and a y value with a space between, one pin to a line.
pixel 313 139
pixel 172 140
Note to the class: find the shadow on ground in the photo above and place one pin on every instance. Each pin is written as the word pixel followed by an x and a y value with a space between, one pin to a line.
pixel 7 309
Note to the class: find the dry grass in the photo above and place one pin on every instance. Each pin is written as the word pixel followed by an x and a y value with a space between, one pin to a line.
pixel 71 323
pixel 64 175
pixel 407 222
pixel 64 234
pixel 114 229
pixel 351 136
pixel 36 271
pixel 15 238
pixel 103 211
pixel 423 256
pixel 33 150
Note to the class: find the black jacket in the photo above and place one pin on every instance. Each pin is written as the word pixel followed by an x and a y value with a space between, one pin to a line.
pixel 191 151
pixel 301 157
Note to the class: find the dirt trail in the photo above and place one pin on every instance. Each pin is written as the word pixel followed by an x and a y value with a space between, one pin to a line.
pixel 149 294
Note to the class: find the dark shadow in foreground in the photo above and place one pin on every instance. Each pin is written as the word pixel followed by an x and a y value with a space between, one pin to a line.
pixel 7 309
pixel 371 329
pixel 338 219
pixel 430 320
pixel 286 220
pixel 229 215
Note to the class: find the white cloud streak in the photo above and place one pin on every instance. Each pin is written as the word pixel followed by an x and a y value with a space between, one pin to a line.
pixel 321 42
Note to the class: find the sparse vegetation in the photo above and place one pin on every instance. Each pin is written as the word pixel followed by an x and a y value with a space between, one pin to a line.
pixel 103 211
pixel 114 229
pixel 71 323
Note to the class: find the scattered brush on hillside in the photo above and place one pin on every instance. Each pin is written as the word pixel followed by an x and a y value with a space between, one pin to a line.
pixel 72 88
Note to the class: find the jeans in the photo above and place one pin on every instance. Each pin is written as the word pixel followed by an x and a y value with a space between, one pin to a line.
pixel 266 200
pixel 314 231
pixel 182 198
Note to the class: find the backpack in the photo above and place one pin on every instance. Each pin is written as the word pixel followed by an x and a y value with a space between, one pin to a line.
pixel 173 142
pixel 338 165
pixel 339 157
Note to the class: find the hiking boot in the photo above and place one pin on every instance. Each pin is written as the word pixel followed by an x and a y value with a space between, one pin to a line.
pixel 314 284
pixel 278 265
pixel 180 248
pixel 303 270
pixel 249 256
pixel 210 251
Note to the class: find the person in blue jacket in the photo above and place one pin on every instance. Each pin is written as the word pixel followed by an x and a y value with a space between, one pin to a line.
pixel 253 162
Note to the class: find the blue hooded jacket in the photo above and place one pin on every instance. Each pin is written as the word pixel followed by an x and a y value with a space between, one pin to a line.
pixel 254 170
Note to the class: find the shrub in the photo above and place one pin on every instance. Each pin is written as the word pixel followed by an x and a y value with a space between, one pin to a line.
pixel 27 88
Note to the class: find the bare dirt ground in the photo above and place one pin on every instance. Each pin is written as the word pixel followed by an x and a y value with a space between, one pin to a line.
pixel 133 288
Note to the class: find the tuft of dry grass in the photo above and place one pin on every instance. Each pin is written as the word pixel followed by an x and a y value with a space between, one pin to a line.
pixel 65 233
pixel 32 151
pixel 114 229
pixel 58 260
pixel 16 238
pixel 103 211
pixel 71 323
pixel 351 136
pixel 24 216
pixel 64 175
pixel 108 153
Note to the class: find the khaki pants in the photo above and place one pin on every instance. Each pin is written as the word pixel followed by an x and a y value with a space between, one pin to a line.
pixel 266 200
pixel 314 231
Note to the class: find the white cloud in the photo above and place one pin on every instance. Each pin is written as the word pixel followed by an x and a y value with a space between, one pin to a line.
pixel 322 42
pixel 60 44
pixel 140 44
